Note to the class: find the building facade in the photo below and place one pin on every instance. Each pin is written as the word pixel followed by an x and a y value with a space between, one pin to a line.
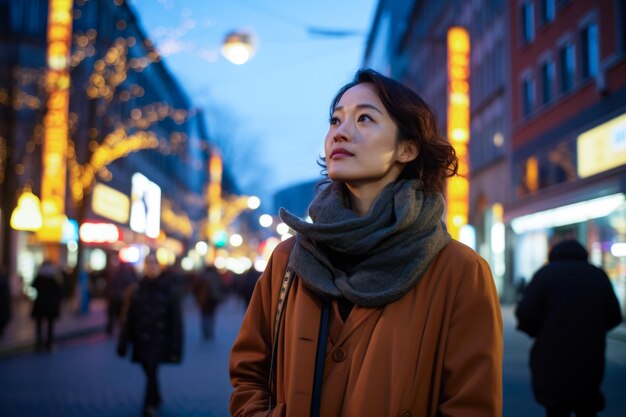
pixel 413 38
pixel 568 79
pixel 136 153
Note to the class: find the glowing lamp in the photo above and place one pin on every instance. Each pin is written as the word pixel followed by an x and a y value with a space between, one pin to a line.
pixel 254 202
pixel 266 220
pixel 618 249
pixel 238 47
pixel 27 214
pixel 129 254
pixel 236 240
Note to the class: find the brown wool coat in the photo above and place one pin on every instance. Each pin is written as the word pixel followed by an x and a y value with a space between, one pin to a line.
pixel 435 352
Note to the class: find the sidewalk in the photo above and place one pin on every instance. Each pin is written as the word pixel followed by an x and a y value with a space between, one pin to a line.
pixel 19 335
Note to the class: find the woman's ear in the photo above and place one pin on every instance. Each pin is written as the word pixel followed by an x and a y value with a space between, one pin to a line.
pixel 407 151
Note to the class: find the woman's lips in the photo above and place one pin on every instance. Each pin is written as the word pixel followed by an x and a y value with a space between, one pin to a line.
pixel 340 154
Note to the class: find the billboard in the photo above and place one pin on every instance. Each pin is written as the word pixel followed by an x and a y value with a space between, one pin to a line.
pixel 145 207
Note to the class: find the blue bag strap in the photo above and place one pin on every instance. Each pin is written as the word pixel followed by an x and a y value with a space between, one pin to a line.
pixel 320 360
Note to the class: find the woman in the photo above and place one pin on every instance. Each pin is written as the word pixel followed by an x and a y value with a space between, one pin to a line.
pixel 152 324
pixel 397 318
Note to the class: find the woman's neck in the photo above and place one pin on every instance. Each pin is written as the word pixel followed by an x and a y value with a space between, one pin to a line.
pixel 363 196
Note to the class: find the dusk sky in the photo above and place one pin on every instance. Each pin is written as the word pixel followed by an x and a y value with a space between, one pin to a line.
pixel 271 113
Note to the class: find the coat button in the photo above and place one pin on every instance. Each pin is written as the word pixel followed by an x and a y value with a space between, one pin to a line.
pixel 404 413
pixel 339 355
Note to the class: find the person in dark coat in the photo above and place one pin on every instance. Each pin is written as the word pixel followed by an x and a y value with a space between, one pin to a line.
pixel 120 276
pixel 246 283
pixel 568 307
pixel 47 305
pixel 208 291
pixel 152 323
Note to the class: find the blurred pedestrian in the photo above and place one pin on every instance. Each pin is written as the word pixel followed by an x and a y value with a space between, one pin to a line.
pixel 177 278
pixel 245 284
pixel 5 300
pixel 152 324
pixel 209 292
pixel 568 307
pixel 49 285
pixel 372 309
pixel 69 274
pixel 120 276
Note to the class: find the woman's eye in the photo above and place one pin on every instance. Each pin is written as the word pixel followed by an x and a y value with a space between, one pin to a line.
pixel 334 121
pixel 364 118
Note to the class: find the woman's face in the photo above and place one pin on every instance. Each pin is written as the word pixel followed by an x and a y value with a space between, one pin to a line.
pixel 361 145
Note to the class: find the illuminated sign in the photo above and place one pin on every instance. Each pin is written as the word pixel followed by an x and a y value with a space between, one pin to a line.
pixel 570 214
pixel 99 233
pixel 145 208
pixel 70 231
pixel 215 192
pixel 602 148
pixel 457 190
pixel 110 203
pixel 54 152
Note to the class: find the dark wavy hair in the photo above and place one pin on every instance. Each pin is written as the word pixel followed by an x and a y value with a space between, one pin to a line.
pixel 415 120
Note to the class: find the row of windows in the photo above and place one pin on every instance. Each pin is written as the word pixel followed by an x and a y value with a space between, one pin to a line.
pixel 547 13
pixel 560 74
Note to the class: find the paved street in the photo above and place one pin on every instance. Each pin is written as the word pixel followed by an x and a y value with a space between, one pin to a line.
pixel 84 378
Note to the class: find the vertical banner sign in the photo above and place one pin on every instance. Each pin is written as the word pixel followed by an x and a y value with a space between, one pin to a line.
pixel 53 181
pixel 457 189
pixel 215 198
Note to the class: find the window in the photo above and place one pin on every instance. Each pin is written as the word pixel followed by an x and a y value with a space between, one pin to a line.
pixel 589 50
pixel 527 22
pixel 621 11
pixel 528 95
pixel 547 11
pixel 547 81
pixel 567 66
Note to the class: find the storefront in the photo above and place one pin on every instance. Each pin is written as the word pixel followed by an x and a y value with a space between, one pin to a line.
pixel 588 204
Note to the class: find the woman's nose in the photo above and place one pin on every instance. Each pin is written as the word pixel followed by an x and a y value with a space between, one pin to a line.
pixel 342 133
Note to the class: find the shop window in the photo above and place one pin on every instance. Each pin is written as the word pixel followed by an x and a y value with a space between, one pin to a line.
pixel 551 166
pixel 527 22
pixel 567 67
pixel 590 51
pixel 547 81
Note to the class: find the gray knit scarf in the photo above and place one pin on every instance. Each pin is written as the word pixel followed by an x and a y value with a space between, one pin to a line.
pixel 372 260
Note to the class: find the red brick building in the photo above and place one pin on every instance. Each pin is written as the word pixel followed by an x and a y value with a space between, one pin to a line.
pixel 568 90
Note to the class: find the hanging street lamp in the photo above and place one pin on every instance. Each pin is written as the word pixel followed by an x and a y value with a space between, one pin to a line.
pixel 239 47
